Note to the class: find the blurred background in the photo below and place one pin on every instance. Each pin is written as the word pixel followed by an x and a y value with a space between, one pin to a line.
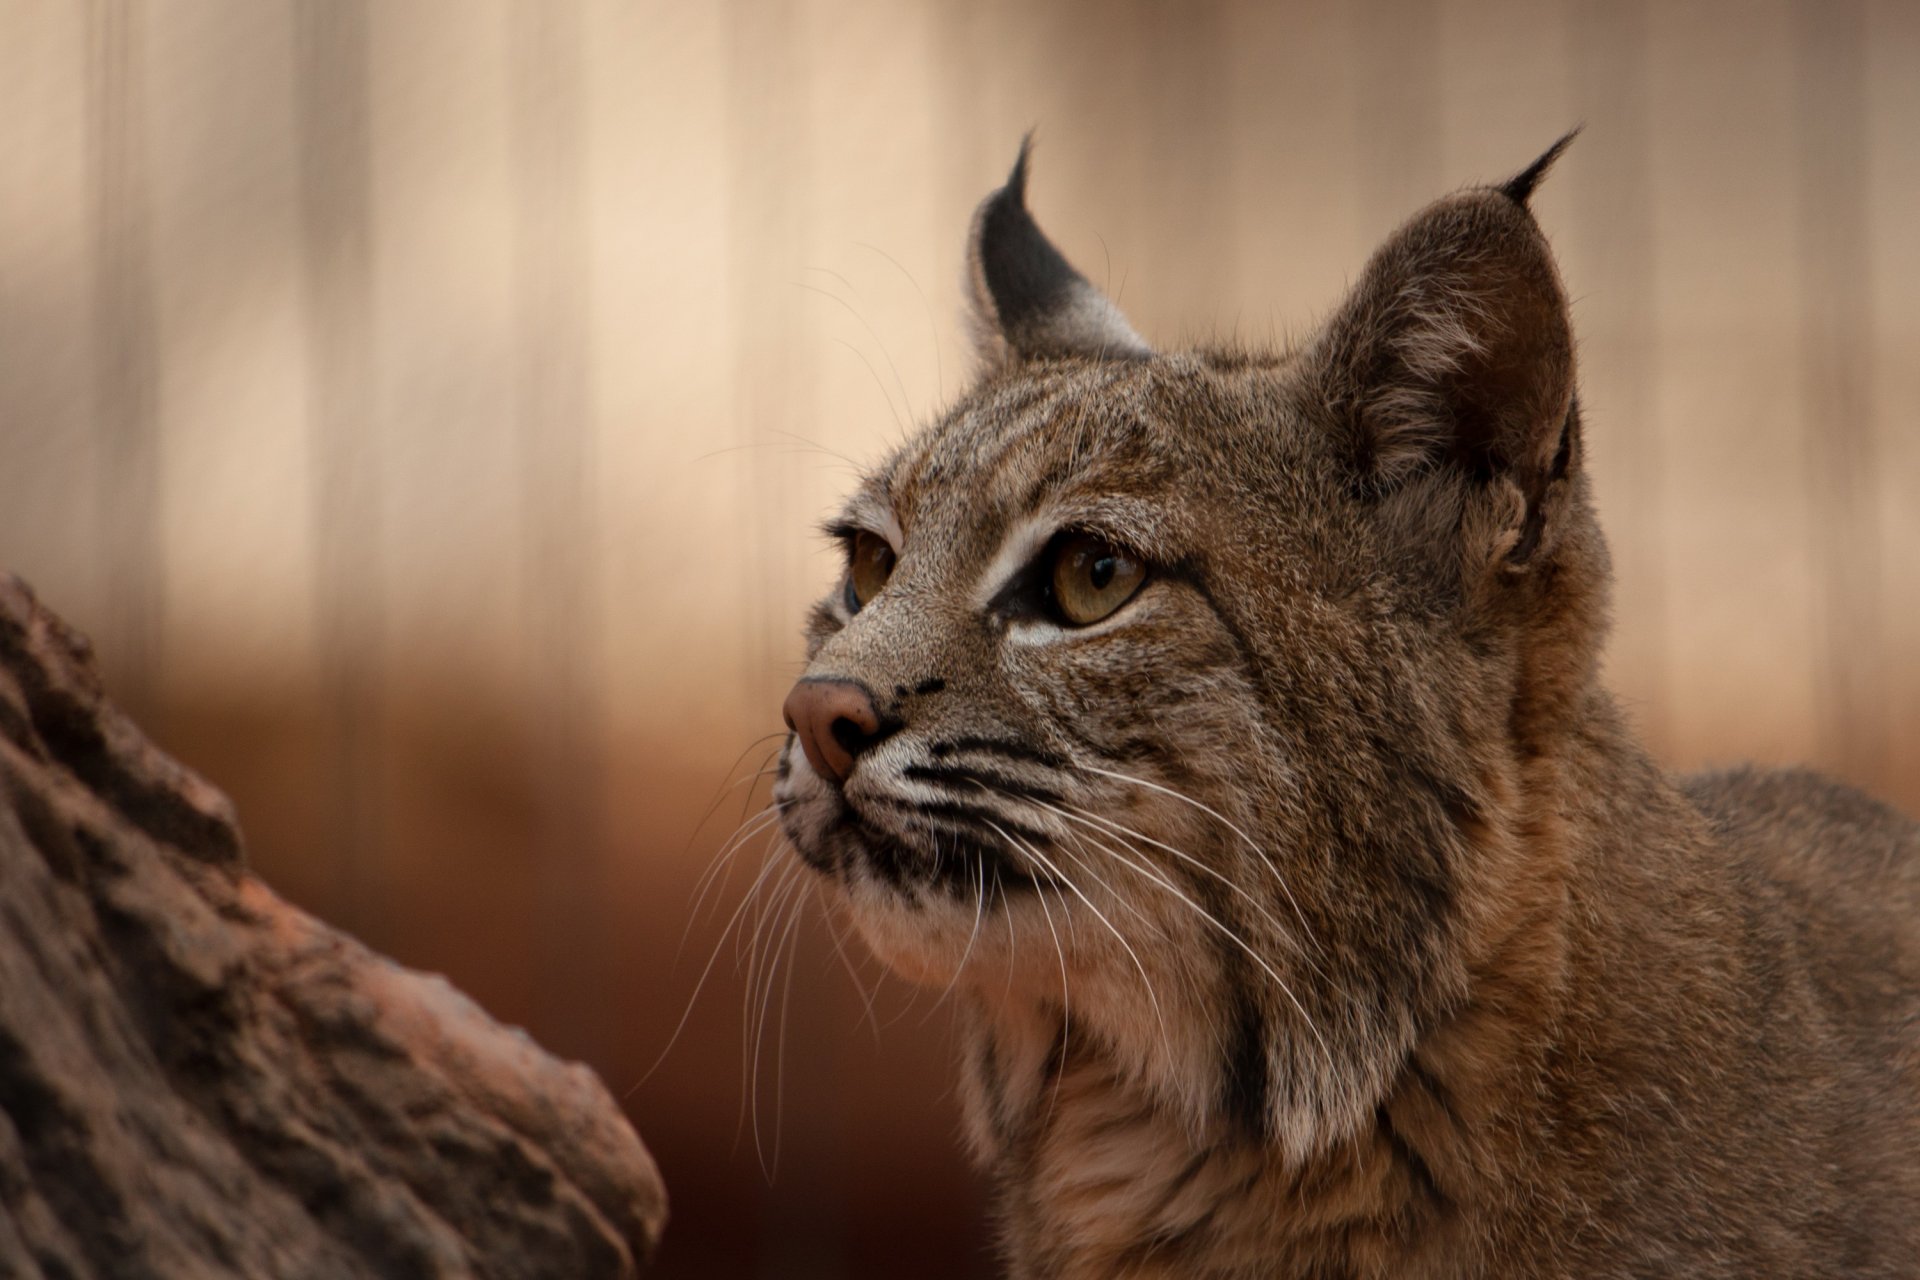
pixel 426 408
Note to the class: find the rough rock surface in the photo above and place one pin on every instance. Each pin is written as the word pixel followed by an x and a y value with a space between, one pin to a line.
pixel 197 1079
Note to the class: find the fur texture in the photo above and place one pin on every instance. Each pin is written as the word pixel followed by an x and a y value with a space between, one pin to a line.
pixel 1314 913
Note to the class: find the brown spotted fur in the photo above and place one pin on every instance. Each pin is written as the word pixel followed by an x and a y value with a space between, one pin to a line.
pixel 1427 970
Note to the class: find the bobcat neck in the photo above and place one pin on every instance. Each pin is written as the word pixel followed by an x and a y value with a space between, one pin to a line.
pixel 1099 1176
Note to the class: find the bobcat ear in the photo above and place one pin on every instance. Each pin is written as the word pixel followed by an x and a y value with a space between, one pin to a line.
pixel 1456 350
pixel 1028 301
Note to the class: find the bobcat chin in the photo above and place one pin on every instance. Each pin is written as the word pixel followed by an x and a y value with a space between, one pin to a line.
pixel 1225 729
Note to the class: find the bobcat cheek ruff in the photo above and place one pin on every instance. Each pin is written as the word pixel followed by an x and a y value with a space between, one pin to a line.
pixel 1223 729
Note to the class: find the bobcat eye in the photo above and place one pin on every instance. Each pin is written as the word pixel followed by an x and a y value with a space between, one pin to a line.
pixel 869 565
pixel 1091 578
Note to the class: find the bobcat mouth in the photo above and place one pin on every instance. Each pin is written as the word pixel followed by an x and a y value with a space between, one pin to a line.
pixel 956 848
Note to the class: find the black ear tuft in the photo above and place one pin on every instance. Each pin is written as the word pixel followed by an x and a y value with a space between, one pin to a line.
pixel 1028 300
pixel 1519 188
pixel 1025 275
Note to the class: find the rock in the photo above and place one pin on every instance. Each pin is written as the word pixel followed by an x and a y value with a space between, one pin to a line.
pixel 197 1079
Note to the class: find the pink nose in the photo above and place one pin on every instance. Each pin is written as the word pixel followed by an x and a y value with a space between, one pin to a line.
pixel 835 721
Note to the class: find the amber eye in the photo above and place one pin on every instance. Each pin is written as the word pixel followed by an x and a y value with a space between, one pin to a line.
pixel 869 565
pixel 1092 578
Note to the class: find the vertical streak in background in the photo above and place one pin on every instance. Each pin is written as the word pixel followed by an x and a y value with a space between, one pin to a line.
pixel 1396 53
pixel 802 1220
pixel 966 108
pixel 552 421
pixel 766 102
pixel 1188 134
pixel 126 374
pixel 1836 346
pixel 1612 211
pixel 333 129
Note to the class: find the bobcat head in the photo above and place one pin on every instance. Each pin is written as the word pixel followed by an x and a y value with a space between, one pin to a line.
pixel 1176 708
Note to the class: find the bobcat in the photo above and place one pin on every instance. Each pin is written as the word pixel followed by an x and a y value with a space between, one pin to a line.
pixel 1224 729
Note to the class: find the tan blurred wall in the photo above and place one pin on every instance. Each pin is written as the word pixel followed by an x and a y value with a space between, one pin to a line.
pixel 426 408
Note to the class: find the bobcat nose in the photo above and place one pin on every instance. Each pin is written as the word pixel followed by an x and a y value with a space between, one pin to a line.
pixel 835 721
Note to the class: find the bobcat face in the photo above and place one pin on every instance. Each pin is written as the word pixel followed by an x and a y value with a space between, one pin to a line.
pixel 1045 645
pixel 1178 697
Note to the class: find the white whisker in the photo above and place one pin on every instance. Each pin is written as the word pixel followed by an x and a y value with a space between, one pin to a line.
pixel 866 996
pixel 979 912
pixel 782 951
pixel 1066 998
pixel 1054 869
pixel 1129 833
pixel 1232 936
pixel 710 878
pixel 766 869
pixel 1224 821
